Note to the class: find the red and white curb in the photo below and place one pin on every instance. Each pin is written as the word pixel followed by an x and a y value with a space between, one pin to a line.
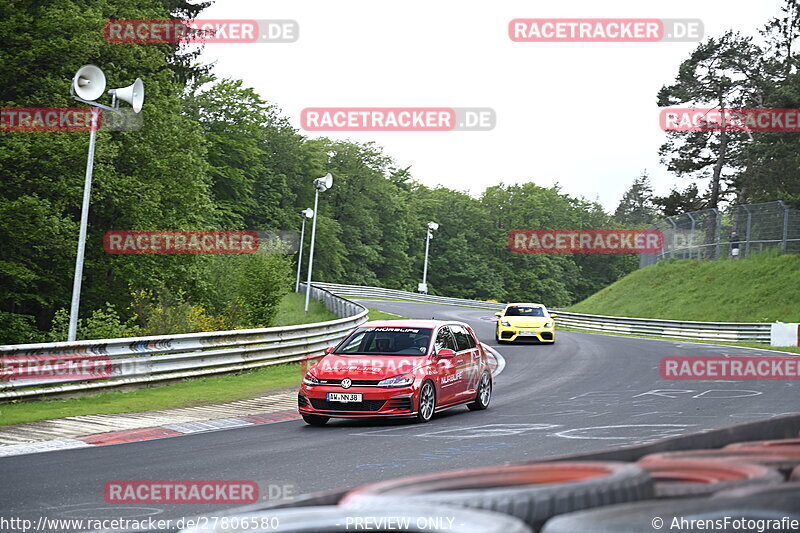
pixel 496 360
pixel 142 434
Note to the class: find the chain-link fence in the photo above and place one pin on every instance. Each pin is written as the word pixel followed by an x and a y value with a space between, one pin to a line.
pixel 734 232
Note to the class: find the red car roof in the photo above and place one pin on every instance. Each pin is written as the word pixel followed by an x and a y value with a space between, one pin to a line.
pixel 410 323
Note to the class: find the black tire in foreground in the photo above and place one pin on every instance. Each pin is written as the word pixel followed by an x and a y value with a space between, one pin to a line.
pixel 329 519
pixel 666 515
pixel 531 492
pixel 678 478
pixel 782 460
pixel 779 489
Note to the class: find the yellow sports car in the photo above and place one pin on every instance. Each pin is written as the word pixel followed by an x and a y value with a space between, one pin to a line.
pixel 525 322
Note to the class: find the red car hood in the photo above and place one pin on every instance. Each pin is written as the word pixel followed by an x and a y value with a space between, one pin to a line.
pixel 367 366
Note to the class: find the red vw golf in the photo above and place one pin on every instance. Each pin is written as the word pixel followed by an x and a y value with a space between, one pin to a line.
pixel 398 368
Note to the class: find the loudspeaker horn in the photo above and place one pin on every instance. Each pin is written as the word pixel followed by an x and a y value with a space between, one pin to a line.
pixel 324 183
pixel 89 82
pixel 133 94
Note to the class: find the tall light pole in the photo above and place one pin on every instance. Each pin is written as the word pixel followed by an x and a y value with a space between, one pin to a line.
pixel 307 213
pixel 321 185
pixel 423 287
pixel 88 84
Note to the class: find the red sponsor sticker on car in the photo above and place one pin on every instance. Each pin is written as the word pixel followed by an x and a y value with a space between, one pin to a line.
pixel 606 241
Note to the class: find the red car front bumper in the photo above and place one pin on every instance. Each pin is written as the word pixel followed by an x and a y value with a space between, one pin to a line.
pixel 378 402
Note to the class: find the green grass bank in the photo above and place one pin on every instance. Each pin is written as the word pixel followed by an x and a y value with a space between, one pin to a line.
pixel 762 288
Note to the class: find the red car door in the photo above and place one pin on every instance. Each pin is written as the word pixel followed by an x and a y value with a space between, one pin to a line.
pixel 467 360
pixel 448 386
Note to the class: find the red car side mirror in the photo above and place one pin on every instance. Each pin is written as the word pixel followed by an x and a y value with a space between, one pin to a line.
pixel 445 352
pixel 328 350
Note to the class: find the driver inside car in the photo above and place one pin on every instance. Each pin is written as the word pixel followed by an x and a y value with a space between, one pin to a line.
pixel 383 344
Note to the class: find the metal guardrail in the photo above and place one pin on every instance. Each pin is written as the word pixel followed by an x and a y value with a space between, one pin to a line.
pixel 166 357
pixel 677 329
pixel 358 291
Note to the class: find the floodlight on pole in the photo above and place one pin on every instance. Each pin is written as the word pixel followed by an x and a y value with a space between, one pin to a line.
pixel 307 213
pixel 321 185
pixel 423 287
pixel 89 84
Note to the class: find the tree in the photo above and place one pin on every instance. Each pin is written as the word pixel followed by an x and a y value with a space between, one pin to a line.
pixel 721 73
pixel 678 202
pixel 769 166
pixel 636 207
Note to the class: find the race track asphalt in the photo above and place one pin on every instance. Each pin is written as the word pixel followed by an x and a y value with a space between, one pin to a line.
pixel 586 392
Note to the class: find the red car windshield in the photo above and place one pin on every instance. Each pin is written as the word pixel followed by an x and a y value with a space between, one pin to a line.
pixel 387 341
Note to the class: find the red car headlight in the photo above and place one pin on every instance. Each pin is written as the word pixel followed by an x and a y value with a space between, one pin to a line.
pixel 310 379
pixel 397 381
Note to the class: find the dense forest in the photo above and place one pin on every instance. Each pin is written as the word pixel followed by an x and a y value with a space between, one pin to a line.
pixel 214 154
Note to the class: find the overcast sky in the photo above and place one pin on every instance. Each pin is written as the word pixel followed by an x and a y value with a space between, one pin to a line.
pixel 582 115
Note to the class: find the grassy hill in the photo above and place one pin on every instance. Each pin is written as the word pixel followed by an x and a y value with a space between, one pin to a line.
pixel 763 288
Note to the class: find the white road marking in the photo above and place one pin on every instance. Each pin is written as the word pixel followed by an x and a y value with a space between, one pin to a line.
pixel 488 430
pixel 657 431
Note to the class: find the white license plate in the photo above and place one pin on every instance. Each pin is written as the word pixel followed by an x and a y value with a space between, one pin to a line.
pixel 527 333
pixel 344 397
